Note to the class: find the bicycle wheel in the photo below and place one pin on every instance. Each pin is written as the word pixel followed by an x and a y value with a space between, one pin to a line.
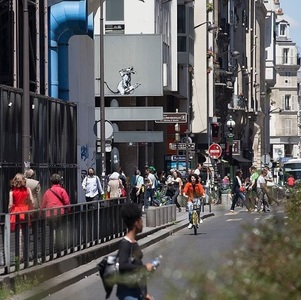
pixel 195 229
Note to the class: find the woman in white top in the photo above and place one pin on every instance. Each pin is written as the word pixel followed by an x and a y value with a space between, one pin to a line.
pixel 115 185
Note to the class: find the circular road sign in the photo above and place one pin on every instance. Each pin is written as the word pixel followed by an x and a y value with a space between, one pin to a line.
pixel 215 151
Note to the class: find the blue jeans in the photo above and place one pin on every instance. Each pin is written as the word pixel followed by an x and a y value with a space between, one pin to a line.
pixel 128 298
pixel 149 193
pixel 190 207
pixel 237 195
pixel 126 293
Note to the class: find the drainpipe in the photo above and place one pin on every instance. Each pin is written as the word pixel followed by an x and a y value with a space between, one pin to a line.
pixel 64 17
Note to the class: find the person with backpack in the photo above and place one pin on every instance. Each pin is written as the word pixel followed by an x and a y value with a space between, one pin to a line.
pixel 136 187
pixel 92 186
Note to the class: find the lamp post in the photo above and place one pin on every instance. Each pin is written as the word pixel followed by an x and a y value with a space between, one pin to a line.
pixel 101 95
pixel 26 90
pixel 231 125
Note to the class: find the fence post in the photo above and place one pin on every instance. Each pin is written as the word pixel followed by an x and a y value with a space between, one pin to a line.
pixel 7 242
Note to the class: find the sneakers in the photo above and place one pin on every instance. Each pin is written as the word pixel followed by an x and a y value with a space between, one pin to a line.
pixel 231 210
pixel 189 226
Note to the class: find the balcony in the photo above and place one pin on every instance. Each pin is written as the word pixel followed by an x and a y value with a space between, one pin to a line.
pixel 222 77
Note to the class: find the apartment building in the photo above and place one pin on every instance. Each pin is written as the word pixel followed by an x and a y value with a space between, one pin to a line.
pixel 284 106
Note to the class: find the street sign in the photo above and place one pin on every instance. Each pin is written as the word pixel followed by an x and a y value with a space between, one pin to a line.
pixel 236 147
pixel 177 117
pixel 181 146
pixel 178 157
pixel 215 151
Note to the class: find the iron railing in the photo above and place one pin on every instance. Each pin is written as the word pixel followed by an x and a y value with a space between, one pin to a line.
pixel 35 237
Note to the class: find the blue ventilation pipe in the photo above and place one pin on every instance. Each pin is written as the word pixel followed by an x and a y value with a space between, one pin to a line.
pixel 66 19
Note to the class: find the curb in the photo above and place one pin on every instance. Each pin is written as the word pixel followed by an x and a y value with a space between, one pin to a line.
pixel 74 267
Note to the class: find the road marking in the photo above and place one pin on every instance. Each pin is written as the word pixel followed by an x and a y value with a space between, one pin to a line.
pixel 233 220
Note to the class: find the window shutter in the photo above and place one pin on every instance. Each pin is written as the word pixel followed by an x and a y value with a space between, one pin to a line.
pixel 293 103
pixel 283 102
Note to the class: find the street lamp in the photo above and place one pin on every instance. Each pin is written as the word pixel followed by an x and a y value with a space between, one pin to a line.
pixel 210 26
pixel 231 125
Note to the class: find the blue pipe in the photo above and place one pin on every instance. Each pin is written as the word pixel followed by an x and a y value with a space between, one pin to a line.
pixel 63 57
pixel 66 19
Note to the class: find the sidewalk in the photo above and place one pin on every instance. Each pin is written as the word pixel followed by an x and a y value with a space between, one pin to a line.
pixel 72 268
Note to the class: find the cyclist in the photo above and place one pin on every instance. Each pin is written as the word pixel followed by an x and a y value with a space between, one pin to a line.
pixel 192 189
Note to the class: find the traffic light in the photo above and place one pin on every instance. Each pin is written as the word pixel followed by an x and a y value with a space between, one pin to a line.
pixel 215 130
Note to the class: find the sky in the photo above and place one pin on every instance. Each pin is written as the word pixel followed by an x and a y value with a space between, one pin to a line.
pixel 291 10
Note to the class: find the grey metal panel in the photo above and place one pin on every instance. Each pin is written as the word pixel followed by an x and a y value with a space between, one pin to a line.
pixel 134 113
pixel 142 52
pixel 138 136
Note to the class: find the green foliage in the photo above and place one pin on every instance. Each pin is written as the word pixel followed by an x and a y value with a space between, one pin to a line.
pixel 266 266
pixel 21 283
pixel 5 293
pixel 209 7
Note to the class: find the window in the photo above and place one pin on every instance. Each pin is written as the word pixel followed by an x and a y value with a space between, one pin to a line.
pixel 282 29
pixel 115 10
pixel 288 102
pixel 182 44
pixel 285 55
pixel 181 19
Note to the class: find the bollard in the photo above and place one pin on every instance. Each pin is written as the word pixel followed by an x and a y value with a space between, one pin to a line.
pixel 151 217
pixel 169 213
pixel 159 216
pixel 165 214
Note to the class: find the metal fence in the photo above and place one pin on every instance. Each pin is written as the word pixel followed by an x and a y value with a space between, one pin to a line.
pixel 31 238
pixel 53 140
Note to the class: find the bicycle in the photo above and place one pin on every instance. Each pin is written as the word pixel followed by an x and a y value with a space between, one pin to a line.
pixel 195 216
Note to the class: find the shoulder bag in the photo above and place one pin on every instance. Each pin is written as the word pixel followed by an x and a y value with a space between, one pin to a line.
pixel 108 269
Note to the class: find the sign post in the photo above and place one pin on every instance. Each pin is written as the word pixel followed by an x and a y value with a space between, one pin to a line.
pixel 215 151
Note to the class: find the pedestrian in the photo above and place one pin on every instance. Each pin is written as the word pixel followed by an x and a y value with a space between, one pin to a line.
pixel 149 192
pixel 193 189
pixel 20 200
pixel 198 169
pixel 280 176
pixel 131 267
pixel 252 188
pixel 115 185
pixel 262 191
pixel 34 186
pixel 290 182
pixel 92 186
pixel 238 191
pixel 177 185
pixel 56 197
pixel 122 177
pixel 136 187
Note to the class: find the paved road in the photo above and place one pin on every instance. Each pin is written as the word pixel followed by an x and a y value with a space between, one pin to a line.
pixel 217 237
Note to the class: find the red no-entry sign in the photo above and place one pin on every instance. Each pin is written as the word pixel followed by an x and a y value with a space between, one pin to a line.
pixel 215 151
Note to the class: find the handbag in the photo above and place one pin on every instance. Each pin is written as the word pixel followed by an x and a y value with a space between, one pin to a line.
pixel 108 270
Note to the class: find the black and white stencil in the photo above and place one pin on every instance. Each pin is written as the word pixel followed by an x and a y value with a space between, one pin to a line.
pixel 125 86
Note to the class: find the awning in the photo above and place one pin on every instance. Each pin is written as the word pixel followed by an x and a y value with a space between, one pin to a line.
pixel 241 159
